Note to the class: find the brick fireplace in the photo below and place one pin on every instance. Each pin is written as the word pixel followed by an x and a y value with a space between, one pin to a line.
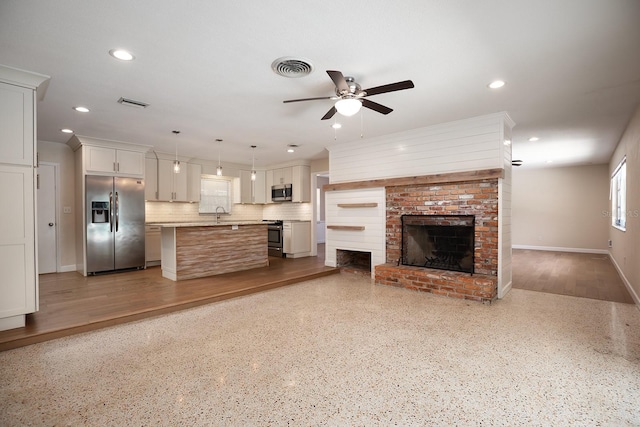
pixel 478 198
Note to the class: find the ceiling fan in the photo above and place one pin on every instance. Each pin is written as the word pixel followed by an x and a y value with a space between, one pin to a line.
pixel 516 162
pixel 350 96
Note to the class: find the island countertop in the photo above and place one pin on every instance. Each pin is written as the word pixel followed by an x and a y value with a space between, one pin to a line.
pixel 208 223
pixel 200 249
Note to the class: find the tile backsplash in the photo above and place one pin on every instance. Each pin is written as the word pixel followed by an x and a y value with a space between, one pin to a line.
pixel 188 212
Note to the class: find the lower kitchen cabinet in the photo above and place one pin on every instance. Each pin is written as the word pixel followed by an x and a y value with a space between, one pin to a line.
pixel 152 245
pixel 296 238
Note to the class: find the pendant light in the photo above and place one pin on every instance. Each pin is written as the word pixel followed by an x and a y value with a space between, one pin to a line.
pixel 176 162
pixel 219 168
pixel 253 163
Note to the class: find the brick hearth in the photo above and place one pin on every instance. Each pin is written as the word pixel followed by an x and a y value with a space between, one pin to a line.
pixel 479 198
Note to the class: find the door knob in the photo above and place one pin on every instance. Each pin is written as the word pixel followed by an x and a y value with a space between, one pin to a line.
pixel 50 224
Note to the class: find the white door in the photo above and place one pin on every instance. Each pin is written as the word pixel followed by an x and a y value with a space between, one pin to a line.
pixel 47 247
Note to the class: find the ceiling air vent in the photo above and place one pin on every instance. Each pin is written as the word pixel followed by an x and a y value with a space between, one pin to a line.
pixel 288 66
pixel 132 103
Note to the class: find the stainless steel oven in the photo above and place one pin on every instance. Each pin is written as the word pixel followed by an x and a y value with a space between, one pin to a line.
pixel 275 238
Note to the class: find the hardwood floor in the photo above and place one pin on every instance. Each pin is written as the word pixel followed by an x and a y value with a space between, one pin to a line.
pixel 71 303
pixel 567 273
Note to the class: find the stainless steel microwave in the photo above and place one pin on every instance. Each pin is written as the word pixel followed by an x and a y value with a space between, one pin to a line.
pixel 281 193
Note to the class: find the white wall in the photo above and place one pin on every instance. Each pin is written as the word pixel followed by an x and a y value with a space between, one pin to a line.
pixel 463 145
pixel 561 208
pixel 626 244
pixel 63 155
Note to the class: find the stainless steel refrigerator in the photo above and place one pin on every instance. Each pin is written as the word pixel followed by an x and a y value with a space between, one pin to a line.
pixel 115 223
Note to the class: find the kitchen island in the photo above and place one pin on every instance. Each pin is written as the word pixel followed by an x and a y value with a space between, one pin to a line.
pixel 200 249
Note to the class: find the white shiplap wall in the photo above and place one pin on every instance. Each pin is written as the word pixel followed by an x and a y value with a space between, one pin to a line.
pixel 371 239
pixel 463 145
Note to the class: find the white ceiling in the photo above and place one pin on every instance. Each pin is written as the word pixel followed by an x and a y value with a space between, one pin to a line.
pixel 572 69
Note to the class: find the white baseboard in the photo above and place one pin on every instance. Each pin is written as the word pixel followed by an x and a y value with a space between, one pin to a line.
pixel 626 282
pixel 561 249
pixel 66 268
pixel 505 289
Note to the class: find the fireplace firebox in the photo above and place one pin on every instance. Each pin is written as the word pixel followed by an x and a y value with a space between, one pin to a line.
pixel 444 242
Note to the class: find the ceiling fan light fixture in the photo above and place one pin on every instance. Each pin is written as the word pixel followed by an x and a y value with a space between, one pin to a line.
pixel 348 106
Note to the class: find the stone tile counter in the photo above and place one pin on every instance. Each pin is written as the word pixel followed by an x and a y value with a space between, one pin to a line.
pixel 200 249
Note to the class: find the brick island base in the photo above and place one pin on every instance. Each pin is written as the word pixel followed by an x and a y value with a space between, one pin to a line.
pixel 476 287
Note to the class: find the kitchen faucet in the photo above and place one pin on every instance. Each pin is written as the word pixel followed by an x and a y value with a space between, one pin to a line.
pixel 218 214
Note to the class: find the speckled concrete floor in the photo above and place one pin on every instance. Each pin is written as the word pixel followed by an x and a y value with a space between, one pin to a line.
pixel 340 351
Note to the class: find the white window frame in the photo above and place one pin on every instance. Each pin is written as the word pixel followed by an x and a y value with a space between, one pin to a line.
pixel 619 196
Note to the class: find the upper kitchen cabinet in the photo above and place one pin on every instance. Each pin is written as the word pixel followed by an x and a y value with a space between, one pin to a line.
pixel 165 185
pixel 150 179
pixel 283 176
pixel 16 124
pixel 253 191
pixel 112 158
pixel 194 175
pixel 301 180
pixel 18 231
pixel 172 186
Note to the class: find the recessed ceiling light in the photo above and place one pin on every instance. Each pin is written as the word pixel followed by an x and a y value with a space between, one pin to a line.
pixel 290 150
pixel 549 161
pixel 66 130
pixel 534 139
pixel 336 125
pixel 121 54
pixel 496 84
pixel 81 109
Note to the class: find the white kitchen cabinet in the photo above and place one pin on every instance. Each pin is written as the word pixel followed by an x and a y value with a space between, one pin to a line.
pixel 296 238
pixel 18 256
pixel 268 184
pixel 152 245
pixel 253 191
pixel 194 173
pixel 150 179
pixel 282 176
pixel 111 161
pixel 16 125
pixel 301 179
pixel 172 186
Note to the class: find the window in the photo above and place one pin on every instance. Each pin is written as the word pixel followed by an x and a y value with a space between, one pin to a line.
pixel 215 193
pixel 619 196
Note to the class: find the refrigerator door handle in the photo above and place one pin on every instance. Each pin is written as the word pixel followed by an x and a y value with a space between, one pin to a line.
pixel 111 211
pixel 117 212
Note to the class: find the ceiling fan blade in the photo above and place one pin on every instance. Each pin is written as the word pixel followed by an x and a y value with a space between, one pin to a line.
pixel 392 87
pixel 375 106
pixel 329 114
pixel 338 80
pixel 307 99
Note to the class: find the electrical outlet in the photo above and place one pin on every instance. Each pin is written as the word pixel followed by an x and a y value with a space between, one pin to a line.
pixel 66 209
pixel 610 244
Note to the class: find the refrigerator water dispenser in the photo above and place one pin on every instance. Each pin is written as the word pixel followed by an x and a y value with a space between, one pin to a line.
pixel 99 212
